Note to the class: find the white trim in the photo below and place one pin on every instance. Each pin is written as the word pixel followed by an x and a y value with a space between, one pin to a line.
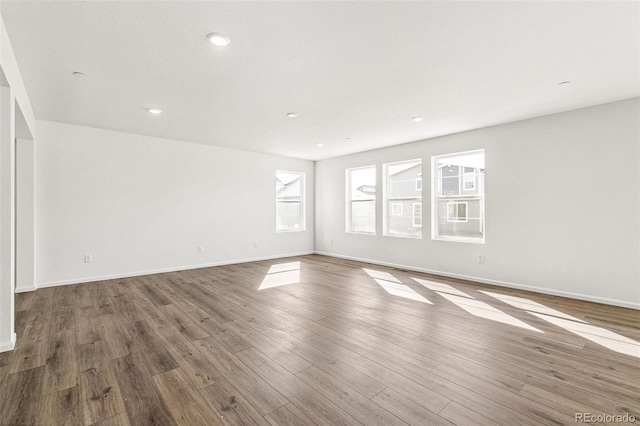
pixel 24 289
pixel 10 345
pixel 415 237
pixel 172 269
pixel 453 239
pixel 568 294
pixel 361 233
pixel 571 295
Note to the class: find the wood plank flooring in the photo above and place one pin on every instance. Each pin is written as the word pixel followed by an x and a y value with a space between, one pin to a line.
pixel 314 340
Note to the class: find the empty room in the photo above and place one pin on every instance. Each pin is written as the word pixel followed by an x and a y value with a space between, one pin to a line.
pixel 319 213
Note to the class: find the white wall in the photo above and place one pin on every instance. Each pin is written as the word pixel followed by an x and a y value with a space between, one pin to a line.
pixel 562 206
pixel 139 204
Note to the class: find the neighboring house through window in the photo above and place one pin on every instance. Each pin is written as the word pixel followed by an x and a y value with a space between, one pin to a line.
pixel 289 201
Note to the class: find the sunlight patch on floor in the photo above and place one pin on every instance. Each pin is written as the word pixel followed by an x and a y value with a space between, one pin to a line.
pixel 530 305
pixel 598 335
pixel 381 275
pixel 483 310
pixel 441 287
pixel 395 287
pixel 281 274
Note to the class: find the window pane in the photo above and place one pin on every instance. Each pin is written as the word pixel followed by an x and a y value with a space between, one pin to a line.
pixel 452 211
pixel 469 181
pixel 450 186
pixel 361 201
pixel 363 216
pixel 462 212
pixel 458 197
pixel 403 199
pixel 289 201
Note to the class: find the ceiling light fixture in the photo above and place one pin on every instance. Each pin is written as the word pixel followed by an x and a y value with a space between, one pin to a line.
pixel 292 115
pixel 219 40
pixel 319 144
pixel 417 118
pixel 155 111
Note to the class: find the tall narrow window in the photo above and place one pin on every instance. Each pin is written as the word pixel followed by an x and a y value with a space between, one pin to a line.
pixel 403 199
pixel 458 197
pixel 361 200
pixel 289 201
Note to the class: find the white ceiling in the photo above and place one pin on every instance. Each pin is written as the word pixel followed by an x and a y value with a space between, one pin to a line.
pixel 356 70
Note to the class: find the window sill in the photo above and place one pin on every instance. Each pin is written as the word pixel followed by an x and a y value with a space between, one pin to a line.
pixel 459 240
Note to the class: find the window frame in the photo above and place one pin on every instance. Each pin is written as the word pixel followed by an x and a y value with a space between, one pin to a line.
pixel 388 201
pixel 464 196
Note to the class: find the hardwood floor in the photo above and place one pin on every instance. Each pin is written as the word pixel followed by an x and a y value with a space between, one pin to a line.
pixel 314 340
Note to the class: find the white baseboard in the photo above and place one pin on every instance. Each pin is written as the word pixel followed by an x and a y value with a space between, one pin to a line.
pixel 163 270
pixel 25 289
pixel 579 296
pixel 8 346
pixel 571 295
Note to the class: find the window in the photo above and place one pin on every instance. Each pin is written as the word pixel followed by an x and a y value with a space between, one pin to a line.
pixel 469 179
pixel 289 201
pixel 458 197
pixel 361 200
pixel 417 214
pixel 396 209
pixel 403 199
pixel 457 211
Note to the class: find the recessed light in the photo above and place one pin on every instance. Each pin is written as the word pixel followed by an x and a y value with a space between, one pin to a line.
pixel 292 115
pixel 79 74
pixel 155 111
pixel 319 144
pixel 564 82
pixel 219 40
pixel 417 118
pixel 347 139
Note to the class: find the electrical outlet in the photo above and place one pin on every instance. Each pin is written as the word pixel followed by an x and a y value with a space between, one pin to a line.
pixel 256 244
pixel 480 259
pixel 200 249
pixel 332 241
pixel 88 258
